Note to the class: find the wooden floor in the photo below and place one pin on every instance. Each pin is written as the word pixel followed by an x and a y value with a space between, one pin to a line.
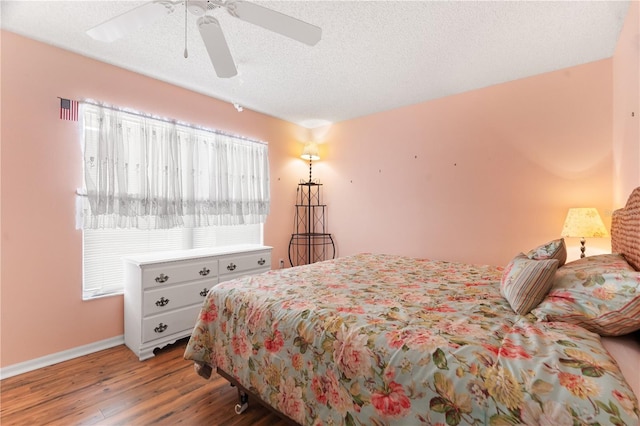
pixel 112 387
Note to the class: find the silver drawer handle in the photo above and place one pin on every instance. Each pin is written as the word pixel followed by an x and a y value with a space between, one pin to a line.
pixel 204 292
pixel 162 301
pixel 231 267
pixel 160 328
pixel 162 278
pixel 204 272
pixel 261 261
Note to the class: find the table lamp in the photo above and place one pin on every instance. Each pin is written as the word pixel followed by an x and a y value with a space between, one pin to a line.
pixel 583 222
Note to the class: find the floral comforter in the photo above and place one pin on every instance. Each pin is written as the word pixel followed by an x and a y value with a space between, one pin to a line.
pixel 389 340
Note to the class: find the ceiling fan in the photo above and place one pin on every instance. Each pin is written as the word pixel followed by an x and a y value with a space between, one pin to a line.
pixel 209 27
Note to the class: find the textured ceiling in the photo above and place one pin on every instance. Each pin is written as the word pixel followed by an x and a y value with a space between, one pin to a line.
pixel 373 55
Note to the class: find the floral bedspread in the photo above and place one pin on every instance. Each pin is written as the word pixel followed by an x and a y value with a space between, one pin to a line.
pixel 389 340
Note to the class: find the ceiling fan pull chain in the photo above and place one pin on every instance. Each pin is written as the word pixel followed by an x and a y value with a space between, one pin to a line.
pixel 186 53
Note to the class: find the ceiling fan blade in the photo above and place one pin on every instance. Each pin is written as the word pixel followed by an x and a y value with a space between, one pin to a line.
pixel 127 22
pixel 217 47
pixel 275 21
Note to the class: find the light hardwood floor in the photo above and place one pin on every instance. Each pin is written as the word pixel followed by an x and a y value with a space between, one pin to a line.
pixel 112 387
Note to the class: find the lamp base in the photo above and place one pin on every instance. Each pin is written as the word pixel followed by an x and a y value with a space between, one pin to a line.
pixel 582 248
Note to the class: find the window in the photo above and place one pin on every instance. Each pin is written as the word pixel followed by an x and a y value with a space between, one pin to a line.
pixel 155 185
pixel 103 249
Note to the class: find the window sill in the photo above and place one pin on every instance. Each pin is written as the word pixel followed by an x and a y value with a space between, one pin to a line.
pixel 87 298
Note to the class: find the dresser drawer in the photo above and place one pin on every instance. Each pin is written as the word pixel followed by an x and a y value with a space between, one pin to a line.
pixel 158 326
pixel 168 298
pixel 176 272
pixel 244 262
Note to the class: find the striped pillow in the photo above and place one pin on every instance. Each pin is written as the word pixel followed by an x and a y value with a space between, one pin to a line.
pixel 600 293
pixel 525 282
pixel 555 249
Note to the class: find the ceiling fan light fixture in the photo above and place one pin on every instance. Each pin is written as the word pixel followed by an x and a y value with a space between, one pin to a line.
pixel 196 7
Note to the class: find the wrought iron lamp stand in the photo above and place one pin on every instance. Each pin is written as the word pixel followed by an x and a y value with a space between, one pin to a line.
pixel 310 241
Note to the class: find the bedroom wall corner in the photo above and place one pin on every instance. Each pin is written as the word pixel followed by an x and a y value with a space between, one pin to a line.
pixel 42 311
pixel 626 107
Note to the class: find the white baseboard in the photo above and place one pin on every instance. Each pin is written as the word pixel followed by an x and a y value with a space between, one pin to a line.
pixel 34 364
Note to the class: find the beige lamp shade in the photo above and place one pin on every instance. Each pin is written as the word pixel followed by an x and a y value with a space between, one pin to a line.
pixel 584 222
pixel 310 152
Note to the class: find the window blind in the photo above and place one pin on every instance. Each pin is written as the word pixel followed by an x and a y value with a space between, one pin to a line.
pixel 103 250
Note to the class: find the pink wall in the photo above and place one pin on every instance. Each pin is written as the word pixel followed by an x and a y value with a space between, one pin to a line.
pixel 626 107
pixel 475 177
pixel 42 311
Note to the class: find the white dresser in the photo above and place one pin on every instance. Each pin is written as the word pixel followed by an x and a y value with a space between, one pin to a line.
pixel 164 291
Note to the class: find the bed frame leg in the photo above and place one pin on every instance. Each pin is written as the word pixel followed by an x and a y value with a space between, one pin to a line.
pixel 244 402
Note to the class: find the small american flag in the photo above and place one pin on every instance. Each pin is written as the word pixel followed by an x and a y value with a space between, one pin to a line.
pixel 68 110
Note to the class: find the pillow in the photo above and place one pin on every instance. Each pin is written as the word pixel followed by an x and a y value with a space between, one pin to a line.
pixel 600 293
pixel 555 249
pixel 525 282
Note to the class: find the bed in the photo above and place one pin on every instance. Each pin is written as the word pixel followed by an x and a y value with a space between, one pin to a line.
pixel 375 339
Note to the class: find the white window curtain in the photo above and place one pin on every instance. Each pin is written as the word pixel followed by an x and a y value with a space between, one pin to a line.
pixel 147 173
